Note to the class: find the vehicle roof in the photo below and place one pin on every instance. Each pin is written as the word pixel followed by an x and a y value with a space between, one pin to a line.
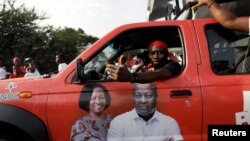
pixel 167 31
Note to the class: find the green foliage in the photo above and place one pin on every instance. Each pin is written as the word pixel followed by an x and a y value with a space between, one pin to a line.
pixel 21 36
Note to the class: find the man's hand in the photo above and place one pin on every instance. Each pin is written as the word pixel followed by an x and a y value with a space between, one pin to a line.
pixel 119 73
pixel 201 3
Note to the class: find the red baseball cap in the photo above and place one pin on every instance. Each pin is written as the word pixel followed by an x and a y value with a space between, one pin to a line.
pixel 158 43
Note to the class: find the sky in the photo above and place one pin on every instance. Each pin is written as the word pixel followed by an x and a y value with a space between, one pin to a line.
pixel 95 17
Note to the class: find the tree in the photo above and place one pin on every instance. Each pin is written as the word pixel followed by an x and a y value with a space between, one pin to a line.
pixel 21 36
pixel 17 31
pixel 61 41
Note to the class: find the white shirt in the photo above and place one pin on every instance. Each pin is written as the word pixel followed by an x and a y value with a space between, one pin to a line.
pixel 130 127
pixel 36 73
pixel 2 73
pixel 61 66
pixel 135 67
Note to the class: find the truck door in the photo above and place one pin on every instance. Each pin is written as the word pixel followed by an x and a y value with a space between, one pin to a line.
pixel 178 97
pixel 224 80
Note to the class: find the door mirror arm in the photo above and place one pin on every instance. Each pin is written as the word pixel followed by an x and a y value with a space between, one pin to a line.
pixel 80 71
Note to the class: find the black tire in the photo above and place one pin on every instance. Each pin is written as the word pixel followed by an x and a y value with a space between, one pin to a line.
pixel 7 138
pixel 11 133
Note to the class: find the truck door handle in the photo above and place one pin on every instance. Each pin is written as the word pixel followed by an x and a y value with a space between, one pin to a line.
pixel 180 93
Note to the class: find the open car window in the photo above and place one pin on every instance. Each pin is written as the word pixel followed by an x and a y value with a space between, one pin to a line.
pixel 131 43
pixel 228 50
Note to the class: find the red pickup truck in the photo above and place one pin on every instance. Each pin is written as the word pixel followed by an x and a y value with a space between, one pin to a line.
pixel 208 90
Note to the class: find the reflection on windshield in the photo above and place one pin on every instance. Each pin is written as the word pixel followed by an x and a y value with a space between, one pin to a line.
pixel 99 60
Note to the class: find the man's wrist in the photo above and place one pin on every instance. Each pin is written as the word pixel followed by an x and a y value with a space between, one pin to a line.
pixel 210 3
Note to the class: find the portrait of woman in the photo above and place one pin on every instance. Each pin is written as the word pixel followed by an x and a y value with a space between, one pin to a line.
pixel 94 99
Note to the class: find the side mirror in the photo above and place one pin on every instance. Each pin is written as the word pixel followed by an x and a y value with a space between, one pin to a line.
pixel 79 70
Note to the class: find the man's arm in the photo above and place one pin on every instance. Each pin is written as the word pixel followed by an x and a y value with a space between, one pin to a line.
pixel 148 77
pixel 225 17
pixel 115 131
pixel 121 73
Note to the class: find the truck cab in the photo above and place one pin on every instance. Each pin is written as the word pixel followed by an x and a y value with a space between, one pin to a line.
pixel 207 91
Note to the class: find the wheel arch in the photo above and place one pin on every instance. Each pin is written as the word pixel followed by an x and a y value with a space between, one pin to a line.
pixel 25 121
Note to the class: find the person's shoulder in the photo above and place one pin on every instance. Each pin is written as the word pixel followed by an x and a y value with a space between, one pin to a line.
pixel 174 67
pixel 37 72
pixel 164 117
pixel 120 121
pixel 27 74
pixel 63 64
pixel 79 120
pixel 173 63
pixel 122 117
pixel 2 73
pixel 2 69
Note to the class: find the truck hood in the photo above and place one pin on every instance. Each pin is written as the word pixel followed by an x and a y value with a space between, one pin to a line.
pixel 22 79
pixel 37 85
